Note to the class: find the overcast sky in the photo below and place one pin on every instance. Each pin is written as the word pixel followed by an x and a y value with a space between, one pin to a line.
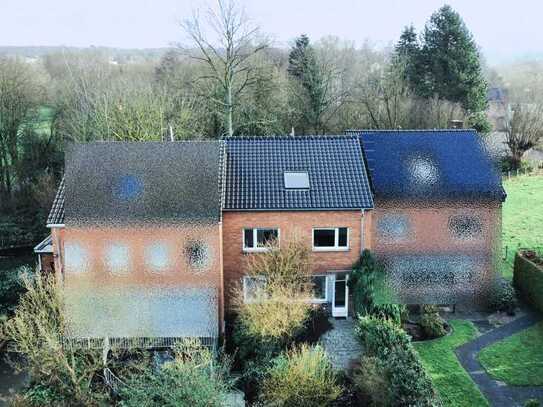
pixel 505 29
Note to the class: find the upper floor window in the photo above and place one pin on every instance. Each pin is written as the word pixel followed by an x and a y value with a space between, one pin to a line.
pixel 116 258
pixel 197 254
pixel 465 227
pixel 158 257
pixel 393 227
pixel 259 239
pixel 296 180
pixel 330 239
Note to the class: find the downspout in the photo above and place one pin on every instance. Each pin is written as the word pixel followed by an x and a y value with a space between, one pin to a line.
pixel 362 240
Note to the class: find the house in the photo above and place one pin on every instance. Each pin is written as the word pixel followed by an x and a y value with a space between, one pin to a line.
pixel 437 216
pixel 149 238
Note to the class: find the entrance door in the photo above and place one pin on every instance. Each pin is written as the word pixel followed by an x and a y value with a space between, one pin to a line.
pixel 340 302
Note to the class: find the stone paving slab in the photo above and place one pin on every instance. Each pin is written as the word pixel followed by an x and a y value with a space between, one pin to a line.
pixel 341 343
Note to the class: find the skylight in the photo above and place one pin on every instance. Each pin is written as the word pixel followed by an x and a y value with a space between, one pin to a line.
pixel 296 180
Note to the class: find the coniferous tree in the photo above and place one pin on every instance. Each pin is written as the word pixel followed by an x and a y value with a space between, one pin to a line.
pixel 450 60
pixel 301 55
pixel 407 55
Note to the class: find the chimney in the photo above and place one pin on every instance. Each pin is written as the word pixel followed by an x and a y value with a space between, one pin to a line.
pixel 456 124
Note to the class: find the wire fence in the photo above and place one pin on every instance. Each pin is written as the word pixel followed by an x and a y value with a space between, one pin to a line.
pixel 535 172
pixel 136 342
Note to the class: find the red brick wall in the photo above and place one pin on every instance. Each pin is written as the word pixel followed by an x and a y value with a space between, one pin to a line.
pixel 429 231
pixel 47 262
pixel 95 242
pixel 292 224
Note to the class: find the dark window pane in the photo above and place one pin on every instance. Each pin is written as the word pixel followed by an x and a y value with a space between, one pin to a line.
pixel 319 287
pixel 248 233
pixel 342 239
pixel 339 299
pixel 197 254
pixel 324 237
pixel 465 227
pixel 265 236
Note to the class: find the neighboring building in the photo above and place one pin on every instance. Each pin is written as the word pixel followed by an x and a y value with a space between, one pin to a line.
pixel 437 217
pixel 153 236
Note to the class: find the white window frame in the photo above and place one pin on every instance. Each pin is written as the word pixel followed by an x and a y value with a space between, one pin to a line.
pixel 247 300
pixel 255 232
pixel 325 299
pixel 336 247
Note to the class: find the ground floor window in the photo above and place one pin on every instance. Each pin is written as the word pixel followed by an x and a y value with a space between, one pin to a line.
pixel 320 289
pixel 253 288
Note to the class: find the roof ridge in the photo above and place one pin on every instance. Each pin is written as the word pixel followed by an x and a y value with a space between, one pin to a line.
pixel 350 131
pixel 290 137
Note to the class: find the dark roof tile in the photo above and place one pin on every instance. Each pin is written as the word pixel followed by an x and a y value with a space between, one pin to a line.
pixel 426 164
pixel 256 165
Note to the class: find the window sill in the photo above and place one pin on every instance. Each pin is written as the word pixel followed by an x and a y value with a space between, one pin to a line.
pixel 313 301
pixel 256 250
pixel 331 249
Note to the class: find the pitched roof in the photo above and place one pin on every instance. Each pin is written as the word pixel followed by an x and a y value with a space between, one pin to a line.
pixel 45 246
pixel 143 182
pixel 255 168
pixel 426 164
pixel 56 214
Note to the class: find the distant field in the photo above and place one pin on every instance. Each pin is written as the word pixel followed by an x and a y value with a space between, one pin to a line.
pixel 43 121
pixel 522 217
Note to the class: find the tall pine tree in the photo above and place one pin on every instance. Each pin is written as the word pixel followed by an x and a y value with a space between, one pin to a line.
pixel 446 64
pixel 451 61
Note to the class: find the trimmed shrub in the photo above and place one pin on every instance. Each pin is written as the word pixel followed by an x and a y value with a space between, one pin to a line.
pixel 433 326
pixel 528 280
pixel 502 296
pixel 301 377
pixel 379 336
pixel 373 383
pixel 410 385
pixel 532 403
pixel 396 359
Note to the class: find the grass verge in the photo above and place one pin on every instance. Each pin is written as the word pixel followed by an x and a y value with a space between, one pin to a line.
pixel 518 359
pixel 453 383
pixel 521 213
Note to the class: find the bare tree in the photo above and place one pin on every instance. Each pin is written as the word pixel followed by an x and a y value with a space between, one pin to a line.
pixel 20 94
pixel 523 129
pixel 225 45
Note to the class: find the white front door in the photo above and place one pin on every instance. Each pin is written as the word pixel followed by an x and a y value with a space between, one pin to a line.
pixel 340 297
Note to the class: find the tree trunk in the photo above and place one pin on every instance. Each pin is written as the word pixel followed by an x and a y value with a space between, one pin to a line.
pixel 229 108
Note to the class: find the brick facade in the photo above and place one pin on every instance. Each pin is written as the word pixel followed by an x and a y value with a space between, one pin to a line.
pixel 428 229
pixel 293 224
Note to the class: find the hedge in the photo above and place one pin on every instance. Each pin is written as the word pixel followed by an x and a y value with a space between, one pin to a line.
pixel 528 280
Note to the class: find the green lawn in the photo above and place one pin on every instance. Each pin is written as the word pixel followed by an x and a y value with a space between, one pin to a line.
pixel 522 217
pixel 518 359
pixel 451 380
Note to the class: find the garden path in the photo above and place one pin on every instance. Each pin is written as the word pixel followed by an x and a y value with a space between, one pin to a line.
pixel 498 393
pixel 341 343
